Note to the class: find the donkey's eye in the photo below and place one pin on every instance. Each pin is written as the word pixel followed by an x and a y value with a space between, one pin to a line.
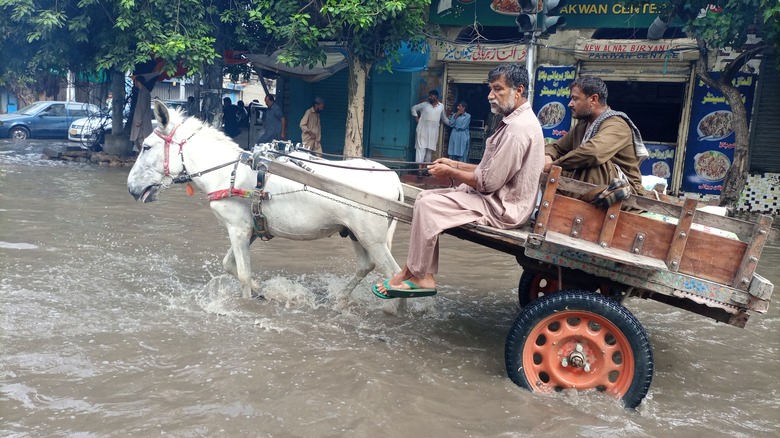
pixel 146 148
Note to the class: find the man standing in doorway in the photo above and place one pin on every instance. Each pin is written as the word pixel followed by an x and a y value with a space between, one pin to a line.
pixel 274 122
pixel 428 115
pixel 311 133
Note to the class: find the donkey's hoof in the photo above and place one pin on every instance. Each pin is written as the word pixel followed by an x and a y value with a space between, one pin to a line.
pixel 259 297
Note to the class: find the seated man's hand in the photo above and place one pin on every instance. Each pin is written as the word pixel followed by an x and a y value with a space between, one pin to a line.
pixel 441 167
pixel 547 163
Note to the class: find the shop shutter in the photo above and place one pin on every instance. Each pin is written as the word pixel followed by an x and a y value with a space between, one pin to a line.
pixel 625 71
pixel 333 118
pixel 765 148
pixel 468 72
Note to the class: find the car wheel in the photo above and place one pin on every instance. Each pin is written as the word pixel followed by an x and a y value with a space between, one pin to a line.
pixel 19 133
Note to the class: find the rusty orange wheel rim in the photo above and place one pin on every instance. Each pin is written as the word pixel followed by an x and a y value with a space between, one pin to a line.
pixel 578 349
pixel 538 290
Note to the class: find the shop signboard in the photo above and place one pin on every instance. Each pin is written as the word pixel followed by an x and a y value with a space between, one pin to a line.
pixel 580 14
pixel 660 161
pixel 711 140
pixel 551 100
pixel 481 53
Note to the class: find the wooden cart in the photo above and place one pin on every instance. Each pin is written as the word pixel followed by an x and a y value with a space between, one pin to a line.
pixel 586 261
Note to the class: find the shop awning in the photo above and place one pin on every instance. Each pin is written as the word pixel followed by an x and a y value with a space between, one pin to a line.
pixel 336 59
pixel 410 60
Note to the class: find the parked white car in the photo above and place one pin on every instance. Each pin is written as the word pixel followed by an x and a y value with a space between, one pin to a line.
pixel 91 131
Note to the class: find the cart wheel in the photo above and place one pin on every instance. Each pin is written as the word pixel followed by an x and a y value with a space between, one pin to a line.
pixel 581 340
pixel 534 285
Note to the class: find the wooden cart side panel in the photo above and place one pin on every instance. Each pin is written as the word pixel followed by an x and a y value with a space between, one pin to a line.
pixel 712 257
pixel 567 210
pixel 658 235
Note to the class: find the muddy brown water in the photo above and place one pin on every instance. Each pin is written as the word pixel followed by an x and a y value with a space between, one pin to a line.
pixel 115 320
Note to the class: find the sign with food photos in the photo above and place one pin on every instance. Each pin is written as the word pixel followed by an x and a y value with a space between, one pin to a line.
pixel 660 161
pixel 551 99
pixel 711 140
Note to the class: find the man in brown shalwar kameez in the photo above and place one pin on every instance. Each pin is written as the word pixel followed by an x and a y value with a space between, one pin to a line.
pixel 604 142
pixel 311 131
pixel 500 191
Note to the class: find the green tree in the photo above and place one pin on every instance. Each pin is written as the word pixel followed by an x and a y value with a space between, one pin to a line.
pixel 367 29
pixel 750 28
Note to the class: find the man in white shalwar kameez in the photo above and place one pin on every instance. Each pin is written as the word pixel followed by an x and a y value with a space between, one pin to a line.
pixel 500 191
pixel 428 115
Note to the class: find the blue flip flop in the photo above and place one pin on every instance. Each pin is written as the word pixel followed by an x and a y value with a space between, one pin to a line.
pixel 380 294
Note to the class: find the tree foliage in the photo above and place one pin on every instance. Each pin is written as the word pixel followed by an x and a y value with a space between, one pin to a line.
pixel 748 27
pixel 367 29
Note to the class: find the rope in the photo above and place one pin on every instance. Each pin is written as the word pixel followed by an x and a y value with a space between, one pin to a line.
pixel 347 157
pixel 282 154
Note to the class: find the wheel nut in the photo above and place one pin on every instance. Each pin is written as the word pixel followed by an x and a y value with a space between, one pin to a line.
pixel 586 368
pixel 578 348
pixel 564 362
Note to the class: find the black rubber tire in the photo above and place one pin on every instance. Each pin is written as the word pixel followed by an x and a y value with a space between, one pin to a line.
pixel 19 133
pixel 581 301
pixel 529 287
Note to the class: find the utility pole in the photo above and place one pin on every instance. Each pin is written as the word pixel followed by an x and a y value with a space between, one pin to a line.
pixel 537 18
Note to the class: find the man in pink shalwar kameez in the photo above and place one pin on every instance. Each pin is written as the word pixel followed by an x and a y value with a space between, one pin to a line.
pixel 500 191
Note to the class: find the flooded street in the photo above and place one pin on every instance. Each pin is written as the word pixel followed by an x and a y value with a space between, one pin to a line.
pixel 116 320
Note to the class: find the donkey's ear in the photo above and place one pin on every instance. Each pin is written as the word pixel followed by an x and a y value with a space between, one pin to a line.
pixel 161 114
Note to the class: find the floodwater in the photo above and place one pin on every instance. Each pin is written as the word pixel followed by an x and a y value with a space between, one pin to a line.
pixel 115 320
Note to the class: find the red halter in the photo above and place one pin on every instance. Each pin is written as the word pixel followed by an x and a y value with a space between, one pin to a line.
pixel 168 140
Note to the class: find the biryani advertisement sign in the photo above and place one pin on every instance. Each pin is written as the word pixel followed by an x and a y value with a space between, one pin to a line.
pixel 709 151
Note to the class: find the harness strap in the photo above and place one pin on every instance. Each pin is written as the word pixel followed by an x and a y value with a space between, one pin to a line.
pixel 230 193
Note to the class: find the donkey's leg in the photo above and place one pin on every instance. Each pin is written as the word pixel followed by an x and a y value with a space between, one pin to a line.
pixel 229 265
pixel 237 259
pixel 365 265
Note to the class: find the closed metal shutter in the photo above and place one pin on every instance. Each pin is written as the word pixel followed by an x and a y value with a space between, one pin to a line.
pixel 333 118
pixel 765 146
pixel 468 72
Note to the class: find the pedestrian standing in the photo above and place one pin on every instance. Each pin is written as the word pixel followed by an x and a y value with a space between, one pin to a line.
pixel 458 148
pixel 274 122
pixel 311 132
pixel 428 115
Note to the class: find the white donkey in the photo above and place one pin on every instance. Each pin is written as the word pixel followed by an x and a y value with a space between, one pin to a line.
pixel 183 148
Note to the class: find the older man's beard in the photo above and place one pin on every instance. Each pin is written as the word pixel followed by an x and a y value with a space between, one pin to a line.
pixel 505 109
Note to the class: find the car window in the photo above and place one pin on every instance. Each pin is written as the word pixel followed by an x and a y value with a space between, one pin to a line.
pixel 79 112
pixel 56 110
pixel 32 108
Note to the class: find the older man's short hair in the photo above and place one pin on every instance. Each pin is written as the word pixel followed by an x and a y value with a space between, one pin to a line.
pixel 515 75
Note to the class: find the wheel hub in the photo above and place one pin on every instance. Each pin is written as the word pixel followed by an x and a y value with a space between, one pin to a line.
pixel 576 359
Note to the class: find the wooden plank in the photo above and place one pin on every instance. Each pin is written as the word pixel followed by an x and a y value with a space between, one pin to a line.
pixel 657 235
pixel 753 252
pixel 760 288
pixel 743 229
pixel 712 257
pixel 681 232
pixel 610 223
pixel 596 250
pixel 393 208
pixel 548 198
pixel 568 210
pixel 410 192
